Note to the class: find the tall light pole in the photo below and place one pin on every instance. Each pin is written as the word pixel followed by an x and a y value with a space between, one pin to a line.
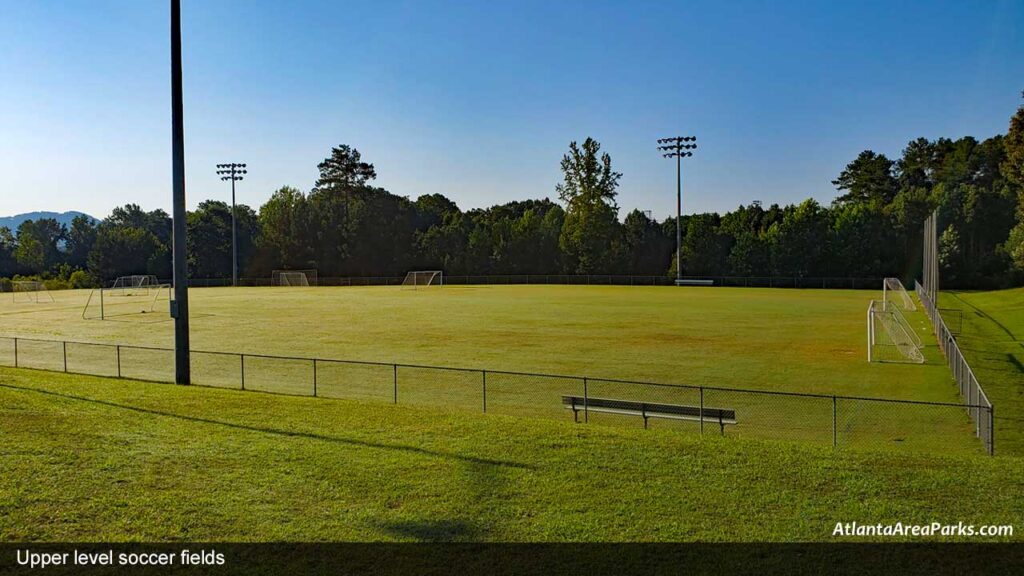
pixel 233 172
pixel 179 308
pixel 678 147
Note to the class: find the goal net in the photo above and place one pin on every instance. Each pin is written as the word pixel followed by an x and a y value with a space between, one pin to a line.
pixel 893 291
pixel 153 300
pixel 293 278
pixel 134 285
pixel 30 291
pixel 423 278
pixel 890 337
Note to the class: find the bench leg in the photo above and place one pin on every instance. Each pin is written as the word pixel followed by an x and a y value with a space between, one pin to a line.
pixel 645 422
pixel 575 416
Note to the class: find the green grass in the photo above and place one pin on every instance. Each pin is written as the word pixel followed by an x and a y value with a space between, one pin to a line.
pixel 810 341
pixel 767 339
pixel 93 459
pixel 992 339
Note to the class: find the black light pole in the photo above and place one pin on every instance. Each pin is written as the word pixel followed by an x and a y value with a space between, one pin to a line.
pixel 179 308
pixel 676 148
pixel 233 172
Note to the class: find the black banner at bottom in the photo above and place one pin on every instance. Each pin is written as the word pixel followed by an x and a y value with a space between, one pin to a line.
pixel 508 559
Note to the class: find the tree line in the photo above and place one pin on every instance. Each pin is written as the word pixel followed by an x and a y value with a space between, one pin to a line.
pixel 346 226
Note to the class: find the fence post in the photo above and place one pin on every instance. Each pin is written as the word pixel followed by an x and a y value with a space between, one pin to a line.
pixel 701 417
pixel 118 360
pixel 835 429
pixel 15 352
pixel 484 372
pixel 241 358
pixel 586 401
pixel 396 383
pixel 972 399
pixel 991 430
pixel 314 377
pixel 65 346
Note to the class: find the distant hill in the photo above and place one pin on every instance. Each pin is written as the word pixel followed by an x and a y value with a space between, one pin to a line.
pixel 65 218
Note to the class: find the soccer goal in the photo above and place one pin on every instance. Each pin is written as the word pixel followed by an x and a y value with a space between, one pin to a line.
pixel 893 290
pixel 890 337
pixel 134 285
pixel 30 291
pixel 154 299
pixel 293 278
pixel 423 278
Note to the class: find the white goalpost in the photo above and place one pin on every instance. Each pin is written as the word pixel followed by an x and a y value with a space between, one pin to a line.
pixel 423 278
pixel 142 299
pixel 30 291
pixel 890 336
pixel 293 278
pixel 892 289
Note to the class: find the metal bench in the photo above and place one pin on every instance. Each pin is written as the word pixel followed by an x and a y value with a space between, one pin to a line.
pixel 694 282
pixel 647 410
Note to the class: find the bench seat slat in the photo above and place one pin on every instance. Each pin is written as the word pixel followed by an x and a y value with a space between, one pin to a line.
pixel 660 415
pixel 649 409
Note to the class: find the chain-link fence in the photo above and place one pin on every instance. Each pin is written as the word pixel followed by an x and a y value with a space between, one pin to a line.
pixel 975 399
pixel 839 282
pixel 840 421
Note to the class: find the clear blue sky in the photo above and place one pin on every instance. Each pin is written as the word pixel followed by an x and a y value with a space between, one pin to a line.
pixel 478 100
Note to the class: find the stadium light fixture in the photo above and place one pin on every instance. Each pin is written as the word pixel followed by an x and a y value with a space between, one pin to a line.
pixel 678 147
pixel 234 172
pixel 179 307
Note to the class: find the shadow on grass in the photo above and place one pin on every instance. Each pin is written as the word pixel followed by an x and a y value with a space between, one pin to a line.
pixel 432 530
pixel 287 433
pixel 981 313
pixel 1015 363
pixel 481 486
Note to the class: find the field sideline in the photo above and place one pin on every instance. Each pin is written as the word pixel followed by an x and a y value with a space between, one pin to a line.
pixel 94 459
pixel 767 339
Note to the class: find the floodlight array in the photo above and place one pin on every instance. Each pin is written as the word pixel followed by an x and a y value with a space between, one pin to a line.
pixel 233 171
pixel 677 146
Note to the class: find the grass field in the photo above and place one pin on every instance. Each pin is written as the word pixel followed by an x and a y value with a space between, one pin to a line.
pixel 93 459
pixel 781 339
pixel 810 341
pixel 992 339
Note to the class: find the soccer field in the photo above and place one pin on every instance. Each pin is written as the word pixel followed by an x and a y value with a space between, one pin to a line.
pixel 781 339
pixel 808 341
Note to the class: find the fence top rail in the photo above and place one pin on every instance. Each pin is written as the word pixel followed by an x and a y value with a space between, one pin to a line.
pixel 666 278
pixel 107 344
pixel 986 406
